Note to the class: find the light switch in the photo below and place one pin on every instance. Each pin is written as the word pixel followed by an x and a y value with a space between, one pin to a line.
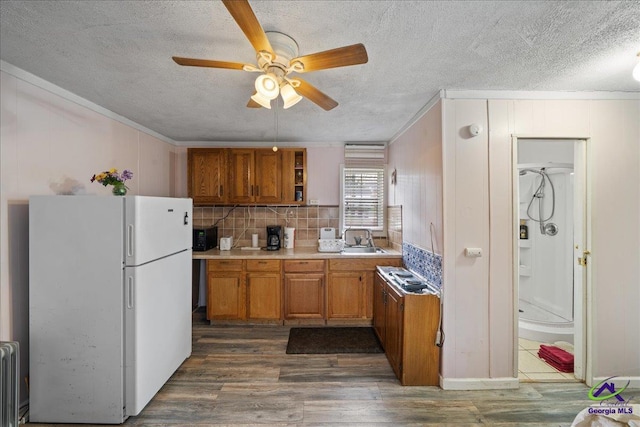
pixel 473 252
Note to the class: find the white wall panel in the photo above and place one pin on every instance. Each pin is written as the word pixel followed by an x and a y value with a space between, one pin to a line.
pixel 468 221
pixel 615 153
pixel 501 291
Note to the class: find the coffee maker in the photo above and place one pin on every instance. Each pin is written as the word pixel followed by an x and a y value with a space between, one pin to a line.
pixel 274 237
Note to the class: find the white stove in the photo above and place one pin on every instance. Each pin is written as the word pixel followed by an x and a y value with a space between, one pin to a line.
pixel 407 280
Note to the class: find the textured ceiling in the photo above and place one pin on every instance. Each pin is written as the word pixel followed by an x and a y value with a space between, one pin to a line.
pixel 117 54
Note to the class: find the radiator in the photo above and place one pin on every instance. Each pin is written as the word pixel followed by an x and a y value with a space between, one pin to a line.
pixel 9 372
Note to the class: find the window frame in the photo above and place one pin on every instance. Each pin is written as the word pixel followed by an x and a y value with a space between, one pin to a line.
pixel 381 232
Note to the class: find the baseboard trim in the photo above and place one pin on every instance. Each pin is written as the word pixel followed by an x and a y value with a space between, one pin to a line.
pixel 619 381
pixel 479 383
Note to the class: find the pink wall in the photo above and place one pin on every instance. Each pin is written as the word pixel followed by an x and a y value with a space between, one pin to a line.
pixel 323 175
pixel 479 312
pixel 50 145
pixel 416 155
pixel 472 207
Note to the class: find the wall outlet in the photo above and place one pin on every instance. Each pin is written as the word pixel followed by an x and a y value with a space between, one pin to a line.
pixel 313 202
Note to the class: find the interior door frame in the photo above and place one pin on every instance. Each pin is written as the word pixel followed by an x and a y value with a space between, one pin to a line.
pixel 583 301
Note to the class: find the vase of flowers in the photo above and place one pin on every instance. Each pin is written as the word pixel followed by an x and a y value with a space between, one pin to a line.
pixel 112 177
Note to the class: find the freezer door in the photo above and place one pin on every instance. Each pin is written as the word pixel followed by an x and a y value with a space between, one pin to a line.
pixel 157 325
pixel 156 227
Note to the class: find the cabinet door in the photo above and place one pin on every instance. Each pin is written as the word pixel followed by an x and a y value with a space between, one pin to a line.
pixel 345 295
pixel 263 296
pixel 241 179
pixel 304 296
pixel 226 296
pixel 294 175
pixel 379 309
pixel 268 176
pixel 207 175
pixel 394 327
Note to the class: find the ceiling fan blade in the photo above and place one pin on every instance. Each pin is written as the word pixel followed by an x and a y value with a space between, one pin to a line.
pixel 339 57
pixel 192 62
pixel 241 11
pixel 314 95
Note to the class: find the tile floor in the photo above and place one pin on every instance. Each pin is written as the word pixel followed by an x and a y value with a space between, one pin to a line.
pixel 532 369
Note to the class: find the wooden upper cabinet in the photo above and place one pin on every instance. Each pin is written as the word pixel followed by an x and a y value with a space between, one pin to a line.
pixel 247 175
pixel 268 176
pixel 207 170
pixel 294 175
pixel 241 170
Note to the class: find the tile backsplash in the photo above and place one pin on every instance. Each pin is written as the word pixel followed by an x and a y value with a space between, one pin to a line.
pixel 243 221
pixel 423 262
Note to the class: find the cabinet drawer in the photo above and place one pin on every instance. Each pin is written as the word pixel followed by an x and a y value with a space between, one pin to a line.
pixel 263 265
pixel 304 266
pixel 224 265
pixel 365 264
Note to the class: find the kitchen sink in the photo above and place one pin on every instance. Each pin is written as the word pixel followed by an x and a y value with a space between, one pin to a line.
pixel 362 250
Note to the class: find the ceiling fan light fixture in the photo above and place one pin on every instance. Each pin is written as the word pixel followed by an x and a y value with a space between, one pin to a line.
pixel 289 96
pixel 267 86
pixel 264 102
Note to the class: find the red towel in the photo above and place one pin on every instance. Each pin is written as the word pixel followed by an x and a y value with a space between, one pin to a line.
pixel 556 357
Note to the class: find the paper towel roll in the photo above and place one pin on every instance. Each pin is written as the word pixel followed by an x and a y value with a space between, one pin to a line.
pixel 254 240
pixel 289 237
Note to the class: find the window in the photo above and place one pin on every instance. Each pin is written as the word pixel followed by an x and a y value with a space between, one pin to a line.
pixel 363 198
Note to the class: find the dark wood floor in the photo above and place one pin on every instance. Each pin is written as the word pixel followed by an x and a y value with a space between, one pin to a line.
pixel 240 376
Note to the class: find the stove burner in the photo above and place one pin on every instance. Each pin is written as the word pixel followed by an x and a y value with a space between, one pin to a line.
pixel 403 274
pixel 414 287
pixel 407 280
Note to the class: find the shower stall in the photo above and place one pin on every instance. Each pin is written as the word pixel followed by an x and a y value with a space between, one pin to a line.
pixel 546 293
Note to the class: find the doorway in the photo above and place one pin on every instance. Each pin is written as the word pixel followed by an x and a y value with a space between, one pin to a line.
pixel 549 210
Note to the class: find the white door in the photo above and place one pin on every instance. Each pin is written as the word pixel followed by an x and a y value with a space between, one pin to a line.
pixel 580 253
pixel 157 325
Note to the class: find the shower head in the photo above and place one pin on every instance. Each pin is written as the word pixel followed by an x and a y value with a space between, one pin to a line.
pixel 523 172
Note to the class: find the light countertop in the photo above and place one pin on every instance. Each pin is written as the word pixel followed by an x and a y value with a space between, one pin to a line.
pixel 296 253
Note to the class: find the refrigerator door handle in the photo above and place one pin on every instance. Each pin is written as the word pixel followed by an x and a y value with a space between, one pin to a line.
pixel 130 292
pixel 130 240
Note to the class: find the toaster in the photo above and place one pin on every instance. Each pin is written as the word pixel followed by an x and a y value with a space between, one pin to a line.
pixel 226 243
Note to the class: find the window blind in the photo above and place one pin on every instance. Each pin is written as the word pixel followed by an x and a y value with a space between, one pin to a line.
pixel 371 155
pixel 363 197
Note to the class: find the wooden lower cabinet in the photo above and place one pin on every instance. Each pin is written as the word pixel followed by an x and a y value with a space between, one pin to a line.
pixel 244 290
pixel 226 295
pixel 394 330
pixel 345 298
pixel 304 296
pixel 263 296
pixel 304 290
pixel 406 325
pixel 350 287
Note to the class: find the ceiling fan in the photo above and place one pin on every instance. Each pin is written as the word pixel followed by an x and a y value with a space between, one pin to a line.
pixel 277 56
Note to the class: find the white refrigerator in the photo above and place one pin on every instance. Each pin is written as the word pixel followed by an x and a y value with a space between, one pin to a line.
pixel 109 304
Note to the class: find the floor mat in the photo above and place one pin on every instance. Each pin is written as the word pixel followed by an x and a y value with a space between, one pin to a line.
pixel 333 340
